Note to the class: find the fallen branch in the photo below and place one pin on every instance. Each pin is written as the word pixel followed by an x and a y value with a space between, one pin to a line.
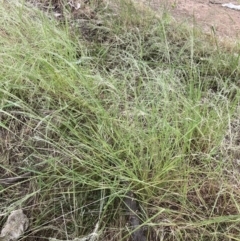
pixel 134 221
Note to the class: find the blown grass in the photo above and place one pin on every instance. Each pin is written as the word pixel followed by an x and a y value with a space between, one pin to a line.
pixel 126 102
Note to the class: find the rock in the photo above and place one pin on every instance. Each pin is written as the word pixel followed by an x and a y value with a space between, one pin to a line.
pixel 15 226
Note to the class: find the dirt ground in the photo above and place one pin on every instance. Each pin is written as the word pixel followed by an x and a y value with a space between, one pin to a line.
pixel 209 14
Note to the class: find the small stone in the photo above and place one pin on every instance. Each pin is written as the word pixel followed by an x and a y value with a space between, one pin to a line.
pixel 15 226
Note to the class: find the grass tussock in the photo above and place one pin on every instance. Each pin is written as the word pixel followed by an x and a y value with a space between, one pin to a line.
pixel 97 106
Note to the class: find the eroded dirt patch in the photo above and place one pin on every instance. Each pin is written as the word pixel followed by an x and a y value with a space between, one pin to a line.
pixel 209 14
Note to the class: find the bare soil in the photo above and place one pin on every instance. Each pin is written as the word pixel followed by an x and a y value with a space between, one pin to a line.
pixel 210 15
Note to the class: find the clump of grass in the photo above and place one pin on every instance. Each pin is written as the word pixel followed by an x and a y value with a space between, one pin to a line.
pixel 141 110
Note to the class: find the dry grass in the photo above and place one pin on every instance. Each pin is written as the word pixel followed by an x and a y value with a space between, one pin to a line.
pixel 98 105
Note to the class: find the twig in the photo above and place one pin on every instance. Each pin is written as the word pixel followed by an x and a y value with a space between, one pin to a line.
pixel 90 237
pixel 12 180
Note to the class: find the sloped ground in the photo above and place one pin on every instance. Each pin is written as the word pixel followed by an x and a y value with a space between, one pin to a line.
pixel 117 109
